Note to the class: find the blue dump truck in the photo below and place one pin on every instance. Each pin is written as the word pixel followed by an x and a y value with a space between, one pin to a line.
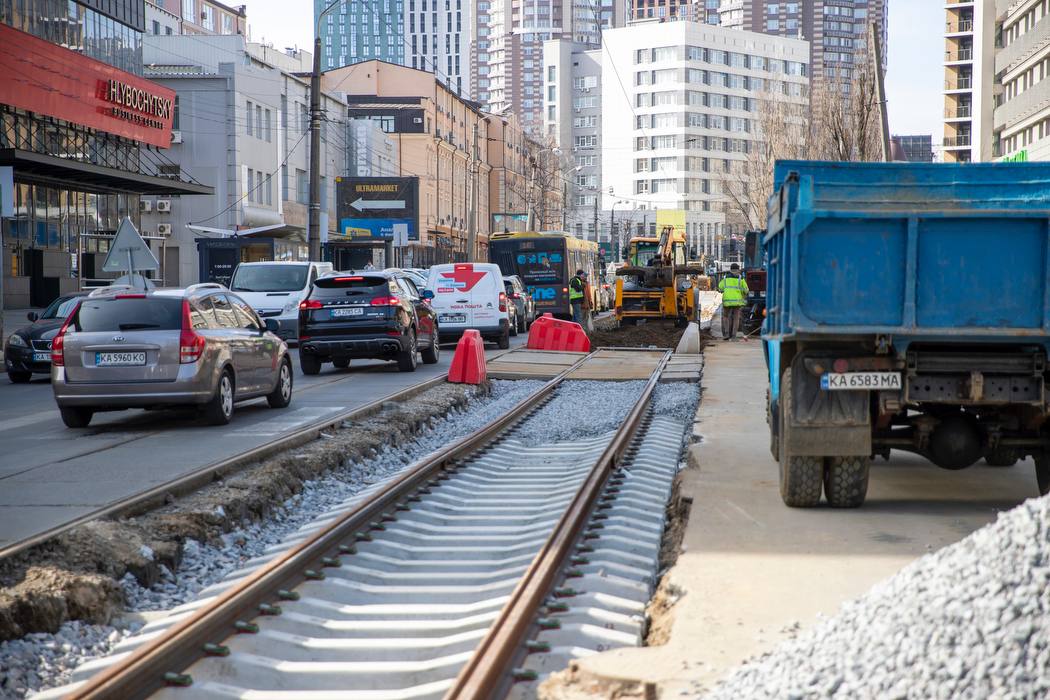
pixel 908 308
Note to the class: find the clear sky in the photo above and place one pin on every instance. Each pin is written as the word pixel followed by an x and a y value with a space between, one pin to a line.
pixel 915 76
pixel 913 82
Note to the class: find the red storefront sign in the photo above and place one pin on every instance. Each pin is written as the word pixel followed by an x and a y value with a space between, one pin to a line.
pixel 42 77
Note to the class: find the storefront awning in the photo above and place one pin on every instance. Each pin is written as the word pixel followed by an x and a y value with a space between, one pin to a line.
pixel 87 177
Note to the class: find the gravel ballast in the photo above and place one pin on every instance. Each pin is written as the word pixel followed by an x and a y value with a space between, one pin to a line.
pixel 971 620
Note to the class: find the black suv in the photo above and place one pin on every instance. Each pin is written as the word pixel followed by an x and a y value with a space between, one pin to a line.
pixel 370 314
pixel 28 350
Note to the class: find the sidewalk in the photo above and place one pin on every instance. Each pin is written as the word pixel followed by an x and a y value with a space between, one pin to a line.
pixel 751 568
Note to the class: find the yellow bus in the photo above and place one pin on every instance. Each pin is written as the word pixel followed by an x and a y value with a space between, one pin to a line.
pixel 546 262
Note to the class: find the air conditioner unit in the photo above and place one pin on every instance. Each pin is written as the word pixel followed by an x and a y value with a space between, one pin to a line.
pixel 164 205
pixel 145 206
pixel 417 120
pixel 176 137
pixel 164 229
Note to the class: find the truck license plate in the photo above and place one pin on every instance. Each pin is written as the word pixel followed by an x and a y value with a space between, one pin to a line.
pixel 119 359
pixel 860 381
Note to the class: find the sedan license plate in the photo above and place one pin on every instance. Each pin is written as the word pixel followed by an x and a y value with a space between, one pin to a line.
pixel 41 357
pixel 119 359
pixel 351 311
pixel 452 318
pixel 860 381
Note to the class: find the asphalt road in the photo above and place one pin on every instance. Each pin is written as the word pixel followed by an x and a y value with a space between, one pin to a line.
pixel 50 474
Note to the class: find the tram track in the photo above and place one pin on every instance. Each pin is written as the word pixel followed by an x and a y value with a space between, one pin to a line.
pixel 434 582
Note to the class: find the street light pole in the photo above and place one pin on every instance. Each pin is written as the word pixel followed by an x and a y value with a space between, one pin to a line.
pixel 314 234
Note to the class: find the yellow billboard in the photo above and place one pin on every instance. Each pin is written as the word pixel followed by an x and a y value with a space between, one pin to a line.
pixel 675 218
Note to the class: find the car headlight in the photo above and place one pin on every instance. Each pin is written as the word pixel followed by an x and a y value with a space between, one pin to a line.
pixel 17 341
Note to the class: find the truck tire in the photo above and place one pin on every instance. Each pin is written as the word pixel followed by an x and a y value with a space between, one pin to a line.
pixel 1002 457
pixel 801 478
pixel 1042 471
pixel 846 481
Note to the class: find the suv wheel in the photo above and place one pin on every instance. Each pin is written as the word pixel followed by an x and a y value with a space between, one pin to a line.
pixel 406 360
pixel 514 325
pixel 341 364
pixel 219 410
pixel 76 416
pixel 281 395
pixel 19 377
pixel 432 354
pixel 309 363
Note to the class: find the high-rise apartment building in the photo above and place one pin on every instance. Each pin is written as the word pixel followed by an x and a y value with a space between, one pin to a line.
pixel 573 118
pixel 168 17
pixel 438 36
pixel 837 30
pixel 997 94
pixel 706 11
pixel 517 31
pixel 681 102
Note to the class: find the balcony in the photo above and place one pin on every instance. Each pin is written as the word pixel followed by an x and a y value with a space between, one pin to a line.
pixel 1024 47
pixel 961 112
pixel 962 26
pixel 961 55
pixel 958 84
pixel 1032 100
pixel 961 141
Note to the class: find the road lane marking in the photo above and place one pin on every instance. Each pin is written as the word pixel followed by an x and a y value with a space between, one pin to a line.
pixel 23 421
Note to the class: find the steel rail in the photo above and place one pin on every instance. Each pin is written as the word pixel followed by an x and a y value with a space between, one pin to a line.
pixel 157 496
pixel 143 671
pixel 489 668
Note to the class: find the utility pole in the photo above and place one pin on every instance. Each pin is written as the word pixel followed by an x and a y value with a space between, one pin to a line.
pixel 597 238
pixel 472 222
pixel 564 205
pixel 314 235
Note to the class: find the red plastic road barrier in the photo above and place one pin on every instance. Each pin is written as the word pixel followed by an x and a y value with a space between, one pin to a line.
pixel 549 333
pixel 468 363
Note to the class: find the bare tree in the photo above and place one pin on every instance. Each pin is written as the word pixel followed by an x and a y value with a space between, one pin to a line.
pixel 781 132
pixel 846 125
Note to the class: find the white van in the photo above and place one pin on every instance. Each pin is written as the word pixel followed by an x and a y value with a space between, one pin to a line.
pixel 470 295
pixel 275 288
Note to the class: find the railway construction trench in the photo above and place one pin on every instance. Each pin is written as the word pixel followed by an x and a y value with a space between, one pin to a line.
pixel 666 422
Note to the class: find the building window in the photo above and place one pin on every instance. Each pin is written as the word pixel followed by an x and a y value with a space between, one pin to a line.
pixel 259 121
pixel 267 125
pixel 249 113
pixel 251 185
pixel 302 187
pixel 772 25
pixel 156 27
pixel 227 24
pixel 208 17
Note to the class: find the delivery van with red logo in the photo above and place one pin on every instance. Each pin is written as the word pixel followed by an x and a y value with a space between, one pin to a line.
pixel 470 295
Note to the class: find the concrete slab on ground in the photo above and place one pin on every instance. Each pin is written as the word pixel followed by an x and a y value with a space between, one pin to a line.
pixel 751 568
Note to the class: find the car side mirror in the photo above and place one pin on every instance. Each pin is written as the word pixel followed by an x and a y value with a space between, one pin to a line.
pixel 271 325
pixel 32 316
pixel 427 294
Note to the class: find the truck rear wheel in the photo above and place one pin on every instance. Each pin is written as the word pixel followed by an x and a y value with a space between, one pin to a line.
pixel 846 481
pixel 801 477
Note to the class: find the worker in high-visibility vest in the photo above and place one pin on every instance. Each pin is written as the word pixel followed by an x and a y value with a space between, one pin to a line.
pixel 577 287
pixel 734 297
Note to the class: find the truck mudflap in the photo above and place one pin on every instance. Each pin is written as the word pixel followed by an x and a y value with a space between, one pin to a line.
pixel 825 423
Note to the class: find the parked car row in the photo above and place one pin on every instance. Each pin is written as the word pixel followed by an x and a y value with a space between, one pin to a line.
pixel 208 346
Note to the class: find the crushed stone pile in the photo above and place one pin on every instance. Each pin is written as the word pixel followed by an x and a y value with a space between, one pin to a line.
pixel 971 620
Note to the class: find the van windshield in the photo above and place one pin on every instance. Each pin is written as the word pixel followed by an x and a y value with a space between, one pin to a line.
pixel 269 278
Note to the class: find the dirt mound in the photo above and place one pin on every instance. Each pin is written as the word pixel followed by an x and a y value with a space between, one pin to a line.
pixel 661 334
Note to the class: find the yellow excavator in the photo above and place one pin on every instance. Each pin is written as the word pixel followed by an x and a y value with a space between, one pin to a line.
pixel 658 282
